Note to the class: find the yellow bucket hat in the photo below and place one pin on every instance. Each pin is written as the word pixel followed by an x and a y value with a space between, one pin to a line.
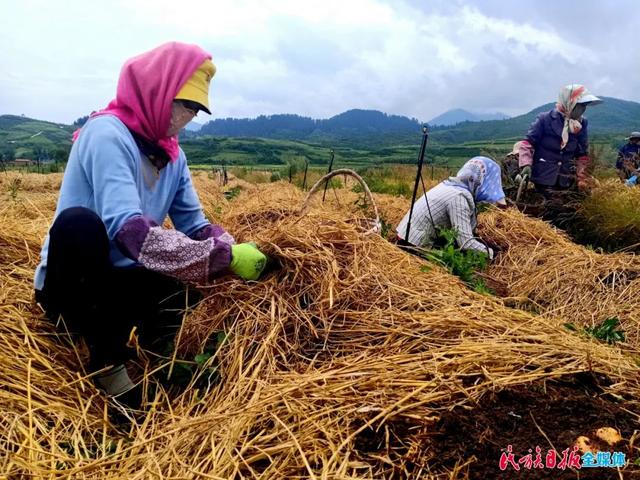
pixel 196 89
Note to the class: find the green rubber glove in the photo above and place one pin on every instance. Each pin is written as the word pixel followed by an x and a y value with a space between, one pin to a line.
pixel 247 261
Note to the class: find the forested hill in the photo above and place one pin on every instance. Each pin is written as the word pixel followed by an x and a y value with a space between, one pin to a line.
pixel 614 116
pixel 351 126
pixel 35 139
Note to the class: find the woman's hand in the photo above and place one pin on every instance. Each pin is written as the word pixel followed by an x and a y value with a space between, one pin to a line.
pixel 247 261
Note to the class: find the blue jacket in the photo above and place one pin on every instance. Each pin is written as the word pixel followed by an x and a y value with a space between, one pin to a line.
pixel 628 150
pixel 552 166
pixel 106 173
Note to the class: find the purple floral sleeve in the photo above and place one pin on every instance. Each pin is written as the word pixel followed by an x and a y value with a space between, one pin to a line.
pixel 216 232
pixel 173 253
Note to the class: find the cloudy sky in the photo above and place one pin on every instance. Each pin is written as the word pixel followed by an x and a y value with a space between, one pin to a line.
pixel 60 60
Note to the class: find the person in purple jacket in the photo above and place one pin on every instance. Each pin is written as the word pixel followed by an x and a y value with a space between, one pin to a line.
pixel 108 264
pixel 555 151
pixel 628 160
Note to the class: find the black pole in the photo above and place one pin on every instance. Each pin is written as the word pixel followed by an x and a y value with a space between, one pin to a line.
pixel 290 167
pixel 306 167
pixel 328 171
pixel 225 179
pixel 423 147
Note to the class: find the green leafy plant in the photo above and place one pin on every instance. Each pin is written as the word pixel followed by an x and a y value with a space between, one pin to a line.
pixel 462 263
pixel 232 193
pixel 607 331
pixel 385 227
pixel 185 370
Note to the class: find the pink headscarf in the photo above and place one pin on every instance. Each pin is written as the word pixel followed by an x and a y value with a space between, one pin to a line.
pixel 147 85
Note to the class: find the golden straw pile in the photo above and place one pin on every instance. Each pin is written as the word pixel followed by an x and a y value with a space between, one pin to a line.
pixel 562 279
pixel 337 365
pixel 612 212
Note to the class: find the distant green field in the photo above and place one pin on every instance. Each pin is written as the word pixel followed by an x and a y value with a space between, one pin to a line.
pixel 271 154
pixel 277 154
pixel 21 137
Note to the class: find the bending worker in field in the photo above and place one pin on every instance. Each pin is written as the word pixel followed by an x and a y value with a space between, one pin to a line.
pixel 107 264
pixel 452 205
pixel 628 160
pixel 555 153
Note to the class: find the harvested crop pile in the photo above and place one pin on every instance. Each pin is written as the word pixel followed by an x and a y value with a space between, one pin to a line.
pixel 564 280
pixel 343 363
pixel 612 215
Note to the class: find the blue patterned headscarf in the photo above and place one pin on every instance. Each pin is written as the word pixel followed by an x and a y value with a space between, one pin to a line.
pixel 482 177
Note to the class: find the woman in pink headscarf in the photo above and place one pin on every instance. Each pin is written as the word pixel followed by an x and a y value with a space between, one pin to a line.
pixel 555 151
pixel 107 264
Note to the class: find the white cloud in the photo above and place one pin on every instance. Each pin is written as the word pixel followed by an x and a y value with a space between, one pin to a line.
pixel 315 58
pixel 519 36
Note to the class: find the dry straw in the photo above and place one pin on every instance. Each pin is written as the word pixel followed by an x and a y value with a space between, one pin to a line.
pixel 337 365
pixel 612 213
pixel 540 265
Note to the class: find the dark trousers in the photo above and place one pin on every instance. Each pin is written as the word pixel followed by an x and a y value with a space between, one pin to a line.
pixel 551 192
pixel 100 302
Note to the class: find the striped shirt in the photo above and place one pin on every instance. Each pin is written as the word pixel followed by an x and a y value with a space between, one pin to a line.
pixel 448 207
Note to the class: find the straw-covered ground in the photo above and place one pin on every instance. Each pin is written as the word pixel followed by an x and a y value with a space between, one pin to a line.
pixel 353 360
pixel 543 270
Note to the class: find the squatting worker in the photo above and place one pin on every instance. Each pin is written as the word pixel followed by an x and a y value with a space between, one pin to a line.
pixel 555 152
pixel 107 263
pixel 452 205
pixel 628 160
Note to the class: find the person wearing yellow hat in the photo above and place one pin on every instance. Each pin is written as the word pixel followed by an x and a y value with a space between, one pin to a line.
pixel 192 97
pixel 107 264
pixel 196 89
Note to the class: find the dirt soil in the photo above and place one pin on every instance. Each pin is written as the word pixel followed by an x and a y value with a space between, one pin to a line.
pixel 563 410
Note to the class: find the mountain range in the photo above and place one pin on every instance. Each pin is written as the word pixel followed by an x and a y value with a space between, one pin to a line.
pixel 373 128
pixel 458 115
pixel 364 129
pixel 612 118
